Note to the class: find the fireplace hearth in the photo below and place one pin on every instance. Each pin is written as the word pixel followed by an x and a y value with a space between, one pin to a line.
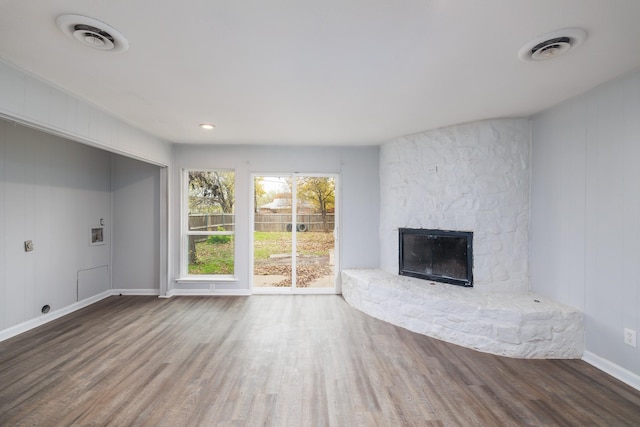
pixel 513 324
pixel 438 255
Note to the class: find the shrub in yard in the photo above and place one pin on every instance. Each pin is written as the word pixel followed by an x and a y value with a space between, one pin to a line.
pixel 219 239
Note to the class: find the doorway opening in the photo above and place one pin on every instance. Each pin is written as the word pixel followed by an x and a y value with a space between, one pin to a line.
pixel 294 242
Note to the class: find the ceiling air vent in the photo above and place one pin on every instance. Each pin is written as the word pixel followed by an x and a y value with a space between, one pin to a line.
pixel 550 48
pixel 93 33
pixel 552 44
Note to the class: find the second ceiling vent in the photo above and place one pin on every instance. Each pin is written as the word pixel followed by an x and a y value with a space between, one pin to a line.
pixel 93 33
pixel 551 45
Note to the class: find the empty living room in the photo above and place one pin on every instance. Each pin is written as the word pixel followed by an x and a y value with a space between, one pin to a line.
pixel 338 213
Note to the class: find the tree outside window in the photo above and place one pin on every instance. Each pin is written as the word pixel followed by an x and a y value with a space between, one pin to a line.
pixel 210 222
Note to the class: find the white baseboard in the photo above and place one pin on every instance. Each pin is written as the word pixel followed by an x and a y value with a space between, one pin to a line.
pixel 152 292
pixel 612 369
pixel 53 315
pixel 208 292
pixel 45 318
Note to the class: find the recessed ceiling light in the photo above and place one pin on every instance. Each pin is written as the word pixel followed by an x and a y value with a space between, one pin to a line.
pixel 207 126
pixel 552 45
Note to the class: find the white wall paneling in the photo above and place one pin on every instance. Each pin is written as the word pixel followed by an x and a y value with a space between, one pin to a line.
pixel 135 190
pixel 3 226
pixel 52 190
pixel 585 227
pixel 33 102
pixel 12 88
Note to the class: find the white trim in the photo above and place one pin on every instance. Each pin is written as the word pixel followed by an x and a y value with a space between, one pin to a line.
pixel 155 292
pixel 293 291
pixel 46 318
pixel 630 378
pixel 208 292
pixel 29 122
pixel 337 234
pixel 211 233
pixel 294 232
pixel 184 223
pixel 205 279
pixel 97 242
pixel 163 254
pixel 184 197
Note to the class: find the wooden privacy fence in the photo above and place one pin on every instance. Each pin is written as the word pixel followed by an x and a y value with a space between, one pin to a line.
pixel 263 222
pixel 282 222
pixel 212 222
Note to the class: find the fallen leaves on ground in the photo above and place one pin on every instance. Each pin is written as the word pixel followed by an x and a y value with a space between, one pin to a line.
pixel 305 274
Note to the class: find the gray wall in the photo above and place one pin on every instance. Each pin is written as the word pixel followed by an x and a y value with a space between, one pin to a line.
pixel 585 220
pixel 359 194
pixel 135 187
pixel 68 182
pixel 51 191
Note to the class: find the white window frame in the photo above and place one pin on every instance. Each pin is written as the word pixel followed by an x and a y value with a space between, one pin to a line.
pixel 337 288
pixel 185 232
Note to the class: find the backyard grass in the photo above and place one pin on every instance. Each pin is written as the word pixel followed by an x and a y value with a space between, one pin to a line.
pixel 216 257
pixel 266 243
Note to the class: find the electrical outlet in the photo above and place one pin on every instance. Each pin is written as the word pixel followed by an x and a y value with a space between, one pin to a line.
pixel 28 246
pixel 630 337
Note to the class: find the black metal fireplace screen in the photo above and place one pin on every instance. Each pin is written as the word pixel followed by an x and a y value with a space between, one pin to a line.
pixel 438 255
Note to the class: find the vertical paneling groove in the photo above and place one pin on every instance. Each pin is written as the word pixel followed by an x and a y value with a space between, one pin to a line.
pixel 52 190
pixel 3 225
pixel 44 226
pixel 15 201
pixel 36 103
pixel 31 202
pixel 586 235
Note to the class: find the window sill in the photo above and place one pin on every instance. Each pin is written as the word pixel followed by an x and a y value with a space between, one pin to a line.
pixel 207 279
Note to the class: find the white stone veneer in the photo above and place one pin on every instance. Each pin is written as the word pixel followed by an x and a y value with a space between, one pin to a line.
pixel 504 323
pixel 470 177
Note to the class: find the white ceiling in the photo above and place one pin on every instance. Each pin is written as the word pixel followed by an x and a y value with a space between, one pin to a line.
pixel 321 72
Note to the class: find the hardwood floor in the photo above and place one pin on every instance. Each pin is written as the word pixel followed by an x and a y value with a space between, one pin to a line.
pixel 282 361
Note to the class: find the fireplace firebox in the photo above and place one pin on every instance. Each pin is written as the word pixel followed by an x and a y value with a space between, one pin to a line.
pixel 439 255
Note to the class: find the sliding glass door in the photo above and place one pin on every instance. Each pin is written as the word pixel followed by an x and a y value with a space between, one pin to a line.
pixel 294 239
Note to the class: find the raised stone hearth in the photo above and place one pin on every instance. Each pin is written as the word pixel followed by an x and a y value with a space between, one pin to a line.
pixel 514 324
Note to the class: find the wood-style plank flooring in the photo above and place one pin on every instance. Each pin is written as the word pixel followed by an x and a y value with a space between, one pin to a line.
pixel 282 361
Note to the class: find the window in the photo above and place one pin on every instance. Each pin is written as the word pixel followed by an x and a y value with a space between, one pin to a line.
pixel 209 223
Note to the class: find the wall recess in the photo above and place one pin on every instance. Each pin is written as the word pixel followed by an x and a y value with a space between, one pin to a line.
pixel 96 235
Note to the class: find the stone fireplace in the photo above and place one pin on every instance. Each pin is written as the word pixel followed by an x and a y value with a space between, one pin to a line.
pixel 472 177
